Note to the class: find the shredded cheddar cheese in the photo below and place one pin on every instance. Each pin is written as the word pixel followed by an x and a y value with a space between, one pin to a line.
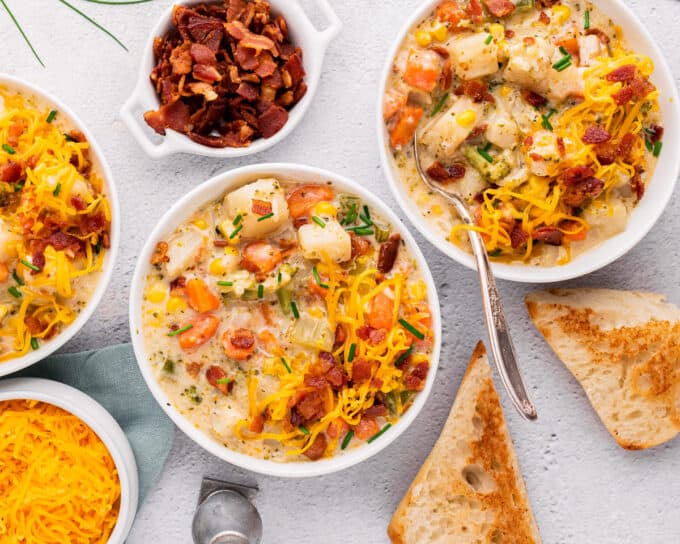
pixel 54 224
pixel 58 482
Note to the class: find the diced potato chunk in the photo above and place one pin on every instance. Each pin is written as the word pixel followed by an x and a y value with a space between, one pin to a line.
pixel 472 57
pixel 267 191
pixel 184 250
pixel 530 66
pixel 8 241
pixel 502 130
pixel 445 134
pixel 331 241
pixel 590 47
pixel 543 156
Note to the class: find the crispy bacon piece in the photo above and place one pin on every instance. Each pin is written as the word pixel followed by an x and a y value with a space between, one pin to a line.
pixel 548 235
pixel 10 172
pixel 318 447
pixel 217 377
pixel 475 89
pixel 366 428
pixel 261 257
pixel 601 34
pixel 544 18
pixel 475 11
pixel 238 344
pixel 578 193
pixel 518 236
pixel 360 246
pixel 311 406
pixel 624 73
pixel 388 253
pixel 500 8
pixel 606 153
pixel 261 207
pixel 534 99
pixel 626 145
pixel 638 88
pixel 596 135
pixel 446 174
pixel 451 12
pixel 415 380
pixel 193 369
pixel 226 74
pixel 160 254
pixel 656 133
pixel 637 184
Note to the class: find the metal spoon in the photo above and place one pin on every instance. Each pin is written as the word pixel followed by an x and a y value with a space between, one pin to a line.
pixel 502 347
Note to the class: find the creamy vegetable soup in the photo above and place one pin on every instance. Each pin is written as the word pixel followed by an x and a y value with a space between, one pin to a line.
pixel 536 113
pixel 288 321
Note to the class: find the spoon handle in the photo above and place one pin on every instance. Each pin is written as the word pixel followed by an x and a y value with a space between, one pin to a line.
pixel 502 347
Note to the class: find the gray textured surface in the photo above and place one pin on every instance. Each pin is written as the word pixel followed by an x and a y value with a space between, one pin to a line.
pixel 583 487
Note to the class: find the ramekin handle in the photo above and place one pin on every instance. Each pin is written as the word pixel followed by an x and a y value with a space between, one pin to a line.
pixel 334 23
pixel 135 126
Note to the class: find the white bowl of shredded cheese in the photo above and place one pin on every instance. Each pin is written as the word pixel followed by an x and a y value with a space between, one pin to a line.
pixel 67 120
pixel 95 416
pixel 659 186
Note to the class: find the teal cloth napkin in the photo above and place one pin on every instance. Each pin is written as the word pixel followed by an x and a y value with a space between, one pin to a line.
pixel 112 378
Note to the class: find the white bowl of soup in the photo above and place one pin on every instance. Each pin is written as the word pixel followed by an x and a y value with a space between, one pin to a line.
pixel 285 320
pixel 66 466
pixel 554 124
pixel 59 224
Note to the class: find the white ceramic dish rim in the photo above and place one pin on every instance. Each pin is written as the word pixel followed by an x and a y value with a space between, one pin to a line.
pixel 642 219
pixel 215 188
pixel 102 423
pixel 46 349
pixel 314 44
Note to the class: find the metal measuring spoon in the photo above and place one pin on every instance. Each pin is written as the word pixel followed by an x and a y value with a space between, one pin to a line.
pixel 497 328
pixel 226 517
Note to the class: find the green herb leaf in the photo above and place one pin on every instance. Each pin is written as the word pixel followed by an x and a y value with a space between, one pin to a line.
pixel 402 358
pixel 489 39
pixel 237 220
pixel 225 283
pixel 69 138
pixel 224 381
pixel 304 429
pixel 21 31
pixel 294 307
pixel 440 104
pixel 57 190
pixel 14 292
pixel 319 221
pixel 352 352
pixel 347 439
pixel 410 328
pixel 496 252
pixel 34 344
pixel 317 278
pixel 379 433
pixel 9 149
pixel 30 265
pixel 180 331
pixel 235 232
pixel 169 366
pixel 586 20
pixel 265 217
pixel 485 155
pixel 285 363
pixel 260 291
pixel 657 149
pixel 51 116
pixel 95 23
pixel 17 278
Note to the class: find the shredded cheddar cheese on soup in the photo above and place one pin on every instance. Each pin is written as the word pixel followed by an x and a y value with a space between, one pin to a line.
pixel 58 482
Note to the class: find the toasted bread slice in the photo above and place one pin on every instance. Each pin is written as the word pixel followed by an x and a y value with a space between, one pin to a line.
pixel 470 488
pixel 622 347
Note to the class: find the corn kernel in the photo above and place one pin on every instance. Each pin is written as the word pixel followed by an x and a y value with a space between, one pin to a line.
pixel 156 293
pixel 561 13
pixel 325 208
pixel 230 251
pixel 217 267
pixel 315 312
pixel 175 304
pixel 437 209
pixel 503 50
pixel 467 118
pixel 201 224
pixel 497 31
pixel 505 91
pixel 439 31
pixel 423 38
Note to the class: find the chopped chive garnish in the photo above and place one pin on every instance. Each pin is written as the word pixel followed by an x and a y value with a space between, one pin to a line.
pixel 69 138
pixel 260 291
pixel 410 328
pixel 95 23
pixel 303 429
pixel 19 186
pixel 34 343
pixel 17 278
pixel 352 351
pixel 485 154
pixel 14 292
pixel 379 433
pixel 367 214
pixel 57 190
pixel 30 265
pixel 351 216
pixel 489 39
pixel 285 363
pixel 440 104
pixel 319 221
pixel 98 247
pixel 265 217
pixel 361 230
pixel 180 331
pixel 649 145
pixel 405 355
pixel 294 307
pixel 317 278
pixel 225 283
pixel 21 31
pixel 564 51
pixel 237 220
pixel 657 149
pixel 563 63
pixel 235 232
pixel 586 22
pixel 51 116
pixel 496 252
pixel 487 146
pixel 279 277
pixel 546 120
pixel 224 380
pixel 347 439
pixel 9 149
